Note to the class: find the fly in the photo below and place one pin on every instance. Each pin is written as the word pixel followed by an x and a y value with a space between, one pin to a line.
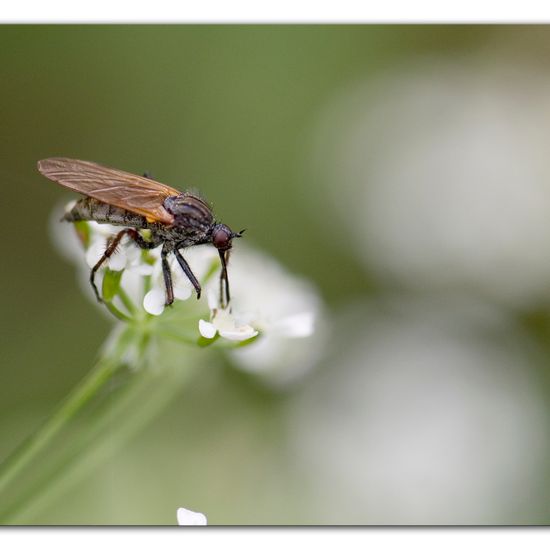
pixel 175 219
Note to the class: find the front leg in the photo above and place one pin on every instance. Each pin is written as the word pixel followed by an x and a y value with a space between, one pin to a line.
pixel 167 274
pixel 224 258
pixel 187 270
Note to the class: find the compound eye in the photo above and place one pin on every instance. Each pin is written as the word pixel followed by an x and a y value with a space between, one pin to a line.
pixel 221 239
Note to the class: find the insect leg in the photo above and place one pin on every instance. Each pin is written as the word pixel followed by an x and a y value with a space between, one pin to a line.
pixel 187 270
pixel 224 257
pixel 139 240
pixel 106 255
pixel 167 276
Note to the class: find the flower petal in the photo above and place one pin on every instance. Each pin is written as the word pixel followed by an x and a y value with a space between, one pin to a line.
pixel 228 328
pixel 117 262
pixel 208 330
pixel 182 291
pixel 239 334
pixel 94 252
pixel 142 269
pixel 212 298
pixel 188 517
pixel 153 302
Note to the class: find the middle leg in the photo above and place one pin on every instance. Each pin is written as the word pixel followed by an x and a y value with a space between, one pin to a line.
pixel 167 274
pixel 187 270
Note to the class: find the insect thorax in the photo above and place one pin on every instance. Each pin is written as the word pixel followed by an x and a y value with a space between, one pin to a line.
pixel 190 212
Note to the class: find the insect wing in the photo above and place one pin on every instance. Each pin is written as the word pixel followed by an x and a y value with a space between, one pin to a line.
pixel 137 194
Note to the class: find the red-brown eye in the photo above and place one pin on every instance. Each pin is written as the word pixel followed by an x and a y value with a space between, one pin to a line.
pixel 221 238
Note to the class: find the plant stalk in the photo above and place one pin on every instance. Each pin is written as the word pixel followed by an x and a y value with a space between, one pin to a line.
pixel 96 379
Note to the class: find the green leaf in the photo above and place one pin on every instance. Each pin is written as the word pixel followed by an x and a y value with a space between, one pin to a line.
pixel 111 284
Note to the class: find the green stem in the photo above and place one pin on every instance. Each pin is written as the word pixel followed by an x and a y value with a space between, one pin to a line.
pixel 116 312
pixel 126 300
pixel 140 399
pixel 146 284
pixel 191 340
pixel 73 403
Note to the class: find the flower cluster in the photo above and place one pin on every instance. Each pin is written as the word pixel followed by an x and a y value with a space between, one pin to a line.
pixel 271 311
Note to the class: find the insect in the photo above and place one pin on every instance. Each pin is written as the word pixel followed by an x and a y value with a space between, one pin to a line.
pixel 175 219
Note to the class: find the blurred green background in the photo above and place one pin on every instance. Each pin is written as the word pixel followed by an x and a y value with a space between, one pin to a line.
pixel 231 110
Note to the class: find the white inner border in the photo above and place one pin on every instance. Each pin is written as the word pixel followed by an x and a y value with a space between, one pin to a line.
pixel 198 538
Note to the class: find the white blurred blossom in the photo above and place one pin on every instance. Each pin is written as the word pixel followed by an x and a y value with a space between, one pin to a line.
pixel 432 414
pixel 188 517
pixel 440 173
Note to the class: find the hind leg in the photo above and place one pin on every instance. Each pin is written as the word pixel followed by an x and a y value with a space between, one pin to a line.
pixel 132 233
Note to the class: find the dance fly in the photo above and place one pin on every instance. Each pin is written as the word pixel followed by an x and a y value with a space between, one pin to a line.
pixel 175 219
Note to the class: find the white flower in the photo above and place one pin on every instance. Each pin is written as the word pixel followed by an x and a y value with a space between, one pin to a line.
pixel 154 301
pixel 227 326
pixel 128 257
pixel 281 312
pixel 200 259
pixel 188 517
pixel 282 309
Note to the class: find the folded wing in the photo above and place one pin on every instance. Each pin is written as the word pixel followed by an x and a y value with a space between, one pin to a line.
pixel 137 194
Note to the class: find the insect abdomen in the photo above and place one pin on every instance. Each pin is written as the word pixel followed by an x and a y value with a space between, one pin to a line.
pixel 87 209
